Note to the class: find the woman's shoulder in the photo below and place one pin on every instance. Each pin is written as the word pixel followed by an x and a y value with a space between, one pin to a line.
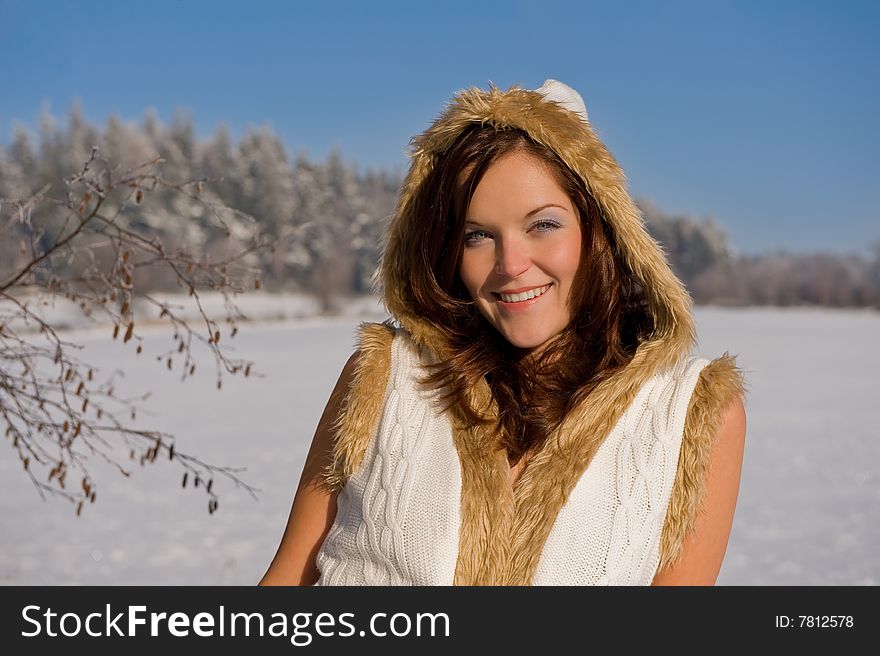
pixel 720 373
pixel 389 341
pixel 719 377
pixel 365 379
pixel 712 440
pixel 375 334
pixel 712 391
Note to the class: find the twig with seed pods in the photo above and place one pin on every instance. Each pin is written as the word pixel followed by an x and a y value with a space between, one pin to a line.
pixel 58 412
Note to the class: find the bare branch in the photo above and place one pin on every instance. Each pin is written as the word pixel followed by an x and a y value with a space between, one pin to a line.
pixel 57 415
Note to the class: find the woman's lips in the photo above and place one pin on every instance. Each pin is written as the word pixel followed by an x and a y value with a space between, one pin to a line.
pixel 521 305
pixel 523 289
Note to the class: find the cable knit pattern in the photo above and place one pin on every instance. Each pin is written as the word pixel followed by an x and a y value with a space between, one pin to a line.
pixel 608 532
pixel 398 515
pixel 397 522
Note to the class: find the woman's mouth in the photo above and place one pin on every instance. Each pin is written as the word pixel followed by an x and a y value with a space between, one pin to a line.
pixel 522 299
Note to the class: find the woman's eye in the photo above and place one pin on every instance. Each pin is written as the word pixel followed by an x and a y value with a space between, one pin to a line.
pixel 545 225
pixel 470 237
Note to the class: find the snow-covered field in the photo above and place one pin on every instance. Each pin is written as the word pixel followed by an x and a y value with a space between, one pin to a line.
pixel 809 505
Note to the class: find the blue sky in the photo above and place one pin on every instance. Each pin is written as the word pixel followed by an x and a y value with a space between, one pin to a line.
pixel 760 114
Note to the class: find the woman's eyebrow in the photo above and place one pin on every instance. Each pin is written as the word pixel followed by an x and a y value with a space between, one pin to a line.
pixel 532 213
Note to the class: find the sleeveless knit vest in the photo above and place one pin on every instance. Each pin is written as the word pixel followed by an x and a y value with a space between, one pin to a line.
pixel 399 513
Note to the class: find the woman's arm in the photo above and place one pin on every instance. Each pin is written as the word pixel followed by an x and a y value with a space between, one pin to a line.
pixel 703 550
pixel 314 505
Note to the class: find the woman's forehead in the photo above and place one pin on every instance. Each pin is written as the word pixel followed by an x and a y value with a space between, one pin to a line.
pixel 521 183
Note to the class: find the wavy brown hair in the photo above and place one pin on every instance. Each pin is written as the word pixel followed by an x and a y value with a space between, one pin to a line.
pixel 610 314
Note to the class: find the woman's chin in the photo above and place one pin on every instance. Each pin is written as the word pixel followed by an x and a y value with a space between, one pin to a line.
pixel 528 343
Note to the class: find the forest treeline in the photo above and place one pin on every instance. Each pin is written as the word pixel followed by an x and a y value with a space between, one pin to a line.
pixel 326 217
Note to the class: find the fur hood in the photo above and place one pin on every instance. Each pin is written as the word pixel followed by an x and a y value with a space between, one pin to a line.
pixel 504 529
pixel 571 136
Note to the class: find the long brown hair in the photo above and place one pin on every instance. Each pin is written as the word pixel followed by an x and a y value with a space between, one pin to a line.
pixel 610 315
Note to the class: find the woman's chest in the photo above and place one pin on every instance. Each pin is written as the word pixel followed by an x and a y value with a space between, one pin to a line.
pixel 405 515
pixel 431 503
pixel 515 472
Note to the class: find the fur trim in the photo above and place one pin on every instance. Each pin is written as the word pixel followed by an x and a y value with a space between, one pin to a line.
pixel 487 508
pixel 359 415
pixel 503 529
pixel 719 383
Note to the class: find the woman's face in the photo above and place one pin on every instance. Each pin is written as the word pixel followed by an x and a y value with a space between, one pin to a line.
pixel 522 238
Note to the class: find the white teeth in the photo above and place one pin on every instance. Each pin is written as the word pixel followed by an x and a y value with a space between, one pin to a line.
pixel 516 298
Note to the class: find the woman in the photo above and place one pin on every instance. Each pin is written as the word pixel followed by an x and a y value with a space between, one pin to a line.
pixel 534 416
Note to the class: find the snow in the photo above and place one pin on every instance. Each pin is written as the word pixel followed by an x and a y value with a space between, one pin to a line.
pixel 808 508
pixel 253 305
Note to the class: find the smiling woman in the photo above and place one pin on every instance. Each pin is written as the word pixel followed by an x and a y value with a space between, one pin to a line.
pixel 533 413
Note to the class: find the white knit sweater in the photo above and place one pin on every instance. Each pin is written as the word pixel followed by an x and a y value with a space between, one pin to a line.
pixel 398 516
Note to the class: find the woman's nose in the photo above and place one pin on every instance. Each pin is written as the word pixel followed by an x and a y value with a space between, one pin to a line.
pixel 511 260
